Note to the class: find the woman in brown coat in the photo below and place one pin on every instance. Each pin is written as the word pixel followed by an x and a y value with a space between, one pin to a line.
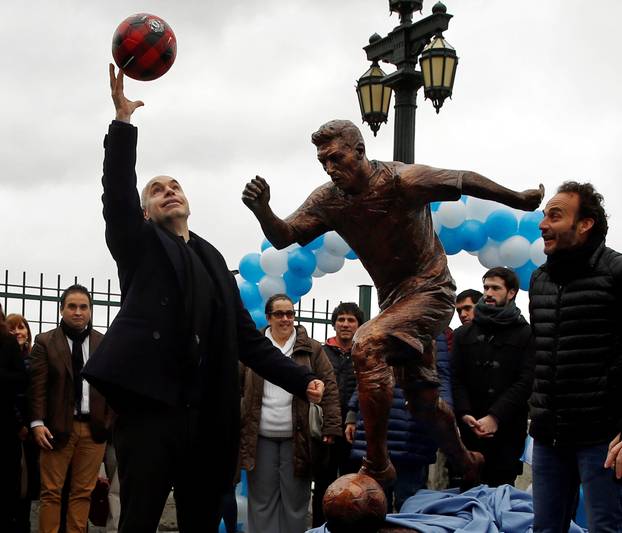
pixel 275 445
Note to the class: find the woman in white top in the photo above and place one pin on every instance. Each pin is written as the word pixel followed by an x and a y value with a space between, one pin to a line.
pixel 275 445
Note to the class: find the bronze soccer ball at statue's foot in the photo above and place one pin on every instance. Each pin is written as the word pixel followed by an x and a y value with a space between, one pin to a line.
pixel 354 502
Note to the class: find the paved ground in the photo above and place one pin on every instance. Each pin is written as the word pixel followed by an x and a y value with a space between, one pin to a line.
pixel 168 523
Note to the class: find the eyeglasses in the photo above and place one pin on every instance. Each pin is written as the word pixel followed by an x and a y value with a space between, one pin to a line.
pixel 281 314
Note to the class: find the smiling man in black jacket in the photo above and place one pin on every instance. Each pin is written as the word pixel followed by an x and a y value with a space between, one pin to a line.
pixel 575 302
pixel 169 362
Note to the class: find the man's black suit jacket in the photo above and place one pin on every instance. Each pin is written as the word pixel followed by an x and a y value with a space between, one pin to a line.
pixel 137 360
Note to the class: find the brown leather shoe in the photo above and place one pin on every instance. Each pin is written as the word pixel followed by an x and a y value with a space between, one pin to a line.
pixel 385 476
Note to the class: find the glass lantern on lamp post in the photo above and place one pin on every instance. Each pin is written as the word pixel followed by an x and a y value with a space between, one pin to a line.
pixel 374 97
pixel 438 65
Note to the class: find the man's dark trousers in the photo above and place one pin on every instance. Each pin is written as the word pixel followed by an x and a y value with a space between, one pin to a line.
pixel 170 438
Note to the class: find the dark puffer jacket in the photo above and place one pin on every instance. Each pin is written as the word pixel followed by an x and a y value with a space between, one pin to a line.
pixel 409 441
pixel 576 397
pixel 444 344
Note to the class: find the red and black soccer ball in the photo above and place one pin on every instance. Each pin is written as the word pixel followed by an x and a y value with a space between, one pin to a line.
pixel 144 47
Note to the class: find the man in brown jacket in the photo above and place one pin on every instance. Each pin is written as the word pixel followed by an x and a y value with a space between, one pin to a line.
pixel 68 417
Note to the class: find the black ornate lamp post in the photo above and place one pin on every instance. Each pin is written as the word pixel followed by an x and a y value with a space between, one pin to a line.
pixel 403 47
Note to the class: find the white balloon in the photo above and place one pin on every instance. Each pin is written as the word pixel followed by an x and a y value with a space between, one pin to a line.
pixel 317 273
pixel 536 252
pixel 271 285
pixel 488 255
pixel 239 279
pixel 479 209
pixel 436 223
pixel 334 244
pixel 451 214
pixel 514 251
pixel 328 262
pixel 291 247
pixel 273 261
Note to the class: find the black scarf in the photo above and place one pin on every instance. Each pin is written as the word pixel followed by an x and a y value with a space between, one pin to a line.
pixel 567 265
pixel 491 316
pixel 77 358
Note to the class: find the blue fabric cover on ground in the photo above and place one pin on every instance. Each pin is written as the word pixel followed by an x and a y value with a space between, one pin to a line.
pixel 504 509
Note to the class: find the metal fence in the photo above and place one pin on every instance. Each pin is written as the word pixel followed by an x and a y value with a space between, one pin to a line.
pixel 38 302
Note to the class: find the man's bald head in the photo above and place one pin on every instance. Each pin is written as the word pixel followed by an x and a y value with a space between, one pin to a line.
pixel 163 200
pixel 144 194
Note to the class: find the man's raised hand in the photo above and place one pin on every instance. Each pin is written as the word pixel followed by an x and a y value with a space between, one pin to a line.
pixel 256 194
pixel 122 105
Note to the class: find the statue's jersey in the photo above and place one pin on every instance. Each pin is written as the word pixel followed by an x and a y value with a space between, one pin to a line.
pixel 389 226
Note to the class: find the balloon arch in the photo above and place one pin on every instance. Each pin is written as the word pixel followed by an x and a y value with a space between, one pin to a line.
pixel 498 235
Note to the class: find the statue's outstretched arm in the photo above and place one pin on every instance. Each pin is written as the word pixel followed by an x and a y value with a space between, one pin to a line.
pixel 422 183
pixel 474 184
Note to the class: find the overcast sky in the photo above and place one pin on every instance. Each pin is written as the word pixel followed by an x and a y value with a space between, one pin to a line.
pixel 536 99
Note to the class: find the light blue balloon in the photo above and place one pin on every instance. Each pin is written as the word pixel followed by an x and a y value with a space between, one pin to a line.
pixel 529 225
pixel 524 274
pixel 250 268
pixel 265 244
pixel 301 262
pixel 434 206
pixel 351 255
pixel 501 224
pixel 295 285
pixel 249 292
pixel 259 317
pixel 473 234
pixel 451 239
pixel 316 243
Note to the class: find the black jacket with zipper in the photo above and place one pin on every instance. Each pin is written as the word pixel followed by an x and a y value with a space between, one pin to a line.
pixel 577 391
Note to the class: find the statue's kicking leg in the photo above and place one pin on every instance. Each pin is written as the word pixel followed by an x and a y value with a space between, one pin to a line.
pixel 425 404
pixel 402 336
pixel 375 388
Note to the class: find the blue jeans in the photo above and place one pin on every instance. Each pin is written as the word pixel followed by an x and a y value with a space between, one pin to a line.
pixel 557 474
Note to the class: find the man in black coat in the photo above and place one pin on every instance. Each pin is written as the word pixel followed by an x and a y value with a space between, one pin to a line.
pixel 575 302
pixel 169 362
pixel 13 381
pixel 492 376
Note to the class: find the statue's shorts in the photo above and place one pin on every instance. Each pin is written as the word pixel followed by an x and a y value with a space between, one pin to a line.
pixel 412 315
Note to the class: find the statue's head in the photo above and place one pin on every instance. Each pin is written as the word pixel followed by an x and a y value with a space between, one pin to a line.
pixel 341 150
